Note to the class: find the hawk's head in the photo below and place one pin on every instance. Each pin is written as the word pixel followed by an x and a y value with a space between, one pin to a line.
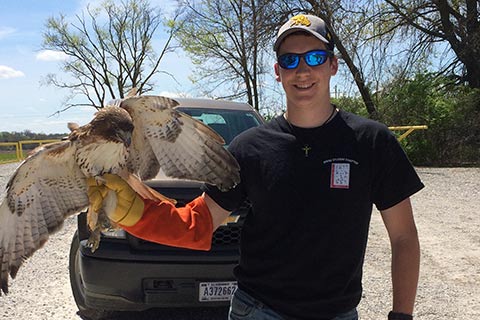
pixel 113 123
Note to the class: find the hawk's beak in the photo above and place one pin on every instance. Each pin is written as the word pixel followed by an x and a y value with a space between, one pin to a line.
pixel 126 137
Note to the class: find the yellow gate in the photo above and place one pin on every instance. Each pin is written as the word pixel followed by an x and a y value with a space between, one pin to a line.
pixel 7 157
pixel 409 129
pixel 19 149
pixel 20 156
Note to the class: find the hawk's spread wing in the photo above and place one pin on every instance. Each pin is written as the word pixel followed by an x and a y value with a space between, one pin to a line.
pixel 51 183
pixel 46 188
pixel 182 146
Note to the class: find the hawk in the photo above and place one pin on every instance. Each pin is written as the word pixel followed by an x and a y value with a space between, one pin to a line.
pixel 134 138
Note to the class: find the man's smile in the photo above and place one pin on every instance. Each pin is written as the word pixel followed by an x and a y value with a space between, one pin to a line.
pixel 304 85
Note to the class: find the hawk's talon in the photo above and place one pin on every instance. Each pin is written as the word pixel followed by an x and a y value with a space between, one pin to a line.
pixel 101 181
pixel 93 241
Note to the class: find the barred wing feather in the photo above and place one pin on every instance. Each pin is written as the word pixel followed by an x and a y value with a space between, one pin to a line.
pixel 46 188
pixel 181 145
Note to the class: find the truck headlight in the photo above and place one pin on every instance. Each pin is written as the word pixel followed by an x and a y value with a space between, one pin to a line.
pixel 114 234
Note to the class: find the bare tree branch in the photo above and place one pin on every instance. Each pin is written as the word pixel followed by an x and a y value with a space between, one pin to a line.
pixel 107 57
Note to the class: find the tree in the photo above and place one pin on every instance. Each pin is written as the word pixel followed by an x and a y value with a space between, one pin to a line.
pixel 454 22
pixel 109 50
pixel 225 42
pixel 329 12
pixel 450 111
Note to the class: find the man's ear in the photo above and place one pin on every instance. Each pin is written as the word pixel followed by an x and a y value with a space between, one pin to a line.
pixel 276 67
pixel 333 65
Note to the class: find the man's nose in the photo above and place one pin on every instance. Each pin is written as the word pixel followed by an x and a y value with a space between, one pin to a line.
pixel 303 66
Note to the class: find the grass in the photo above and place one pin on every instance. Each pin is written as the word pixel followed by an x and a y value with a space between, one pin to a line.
pixel 8 157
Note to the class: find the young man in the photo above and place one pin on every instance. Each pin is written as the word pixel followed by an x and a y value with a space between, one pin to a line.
pixel 312 176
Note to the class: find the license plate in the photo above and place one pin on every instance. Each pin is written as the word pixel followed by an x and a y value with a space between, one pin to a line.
pixel 216 291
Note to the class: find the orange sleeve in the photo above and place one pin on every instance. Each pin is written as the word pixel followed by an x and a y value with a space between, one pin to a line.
pixel 187 227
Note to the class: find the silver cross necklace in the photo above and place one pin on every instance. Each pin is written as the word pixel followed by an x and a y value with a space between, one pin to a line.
pixel 306 148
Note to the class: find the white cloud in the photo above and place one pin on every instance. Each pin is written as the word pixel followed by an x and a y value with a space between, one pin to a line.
pixel 171 94
pixel 7 73
pixel 51 55
pixel 6 31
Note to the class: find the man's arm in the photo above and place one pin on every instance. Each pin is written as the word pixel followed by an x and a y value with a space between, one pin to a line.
pixel 191 226
pixel 402 231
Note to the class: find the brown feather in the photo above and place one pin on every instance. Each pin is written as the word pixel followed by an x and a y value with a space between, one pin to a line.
pixel 138 138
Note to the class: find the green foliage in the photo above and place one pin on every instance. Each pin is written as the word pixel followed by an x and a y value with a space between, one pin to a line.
pixel 351 104
pixel 28 135
pixel 450 111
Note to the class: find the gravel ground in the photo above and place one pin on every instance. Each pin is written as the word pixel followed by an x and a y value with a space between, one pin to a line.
pixel 447 215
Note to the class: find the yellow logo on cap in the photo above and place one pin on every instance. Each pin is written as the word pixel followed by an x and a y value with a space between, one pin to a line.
pixel 300 20
pixel 328 36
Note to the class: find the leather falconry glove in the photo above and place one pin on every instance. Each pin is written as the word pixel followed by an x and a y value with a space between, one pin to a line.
pixel 126 208
pixel 158 221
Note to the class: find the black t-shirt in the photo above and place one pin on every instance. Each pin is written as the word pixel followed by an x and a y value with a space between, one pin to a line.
pixel 312 191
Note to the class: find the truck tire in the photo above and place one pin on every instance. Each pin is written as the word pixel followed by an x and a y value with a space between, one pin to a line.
pixel 76 284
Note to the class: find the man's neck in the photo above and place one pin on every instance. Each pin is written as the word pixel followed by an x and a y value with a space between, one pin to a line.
pixel 309 117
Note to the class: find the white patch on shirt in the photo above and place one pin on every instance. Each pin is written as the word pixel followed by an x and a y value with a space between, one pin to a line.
pixel 340 176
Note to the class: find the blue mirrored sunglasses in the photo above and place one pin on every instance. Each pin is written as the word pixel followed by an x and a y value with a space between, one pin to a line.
pixel 312 58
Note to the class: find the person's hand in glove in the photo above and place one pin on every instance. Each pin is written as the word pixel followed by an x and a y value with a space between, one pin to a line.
pixel 124 206
pixel 158 221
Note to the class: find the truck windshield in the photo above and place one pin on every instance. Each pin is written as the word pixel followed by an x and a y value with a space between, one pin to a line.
pixel 227 123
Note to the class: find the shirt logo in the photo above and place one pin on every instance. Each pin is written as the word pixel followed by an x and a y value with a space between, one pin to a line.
pixel 300 20
pixel 340 176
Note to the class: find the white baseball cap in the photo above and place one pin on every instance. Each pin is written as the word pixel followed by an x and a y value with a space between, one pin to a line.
pixel 307 23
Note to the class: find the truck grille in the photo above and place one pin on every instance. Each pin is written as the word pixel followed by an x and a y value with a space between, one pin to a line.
pixel 227 235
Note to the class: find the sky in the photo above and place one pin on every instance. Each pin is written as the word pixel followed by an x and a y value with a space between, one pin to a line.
pixel 26 103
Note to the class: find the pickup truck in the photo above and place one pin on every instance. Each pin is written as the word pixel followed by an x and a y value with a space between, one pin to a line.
pixel 129 274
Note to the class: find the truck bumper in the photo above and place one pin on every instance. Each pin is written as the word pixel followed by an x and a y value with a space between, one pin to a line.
pixel 116 285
